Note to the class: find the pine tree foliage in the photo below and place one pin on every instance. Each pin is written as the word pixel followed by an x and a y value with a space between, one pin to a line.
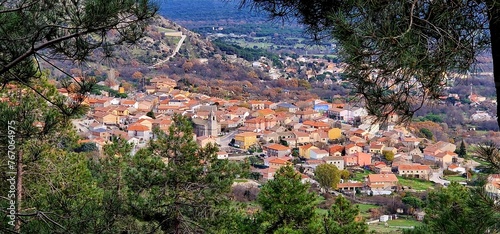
pixel 35 30
pixel 489 152
pixel 343 218
pixel 54 188
pixel 462 151
pixel 179 187
pixel 457 209
pixel 286 204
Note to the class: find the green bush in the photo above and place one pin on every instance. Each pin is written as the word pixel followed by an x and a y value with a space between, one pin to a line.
pixel 448 172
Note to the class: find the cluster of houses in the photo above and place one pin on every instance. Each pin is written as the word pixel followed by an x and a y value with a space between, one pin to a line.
pixel 319 133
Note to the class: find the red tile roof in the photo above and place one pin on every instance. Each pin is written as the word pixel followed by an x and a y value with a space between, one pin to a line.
pixel 137 127
pixel 278 147
pixel 414 167
pixel 382 178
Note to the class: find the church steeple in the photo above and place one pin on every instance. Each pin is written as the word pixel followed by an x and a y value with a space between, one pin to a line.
pixel 212 123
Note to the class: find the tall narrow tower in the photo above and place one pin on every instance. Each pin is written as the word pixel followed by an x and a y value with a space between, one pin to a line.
pixel 212 123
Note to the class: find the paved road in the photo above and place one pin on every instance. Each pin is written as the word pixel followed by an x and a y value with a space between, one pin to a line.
pixel 176 50
pixel 223 141
pixel 239 158
pixel 436 177
pixel 80 125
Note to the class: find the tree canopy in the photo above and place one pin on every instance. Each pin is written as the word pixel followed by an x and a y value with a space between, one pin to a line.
pixel 327 175
pixel 457 209
pixel 343 217
pixel 34 31
pixel 399 53
pixel 287 204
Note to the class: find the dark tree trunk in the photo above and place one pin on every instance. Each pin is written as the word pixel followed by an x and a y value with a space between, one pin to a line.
pixel 494 14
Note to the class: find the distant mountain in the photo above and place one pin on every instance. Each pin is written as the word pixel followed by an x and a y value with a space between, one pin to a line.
pixel 208 12
pixel 219 16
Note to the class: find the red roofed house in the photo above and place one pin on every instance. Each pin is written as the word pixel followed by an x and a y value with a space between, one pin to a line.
pixel 203 141
pixel 163 82
pixel 276 163
pixel 414 171
pixel 358 159
pixel 376 148
pixel 222 155
pixel 261 123
pixel 382 181
pixel 317 125
pixel 277 150
pixel 129 103
pixel 381 168
pixel 268 173
pixel 256 105
pixel 349 186
pixel 352 149
pixel 350 160
pixel 99 102
pixel 139 131
pixel 336 150
pixel 442 159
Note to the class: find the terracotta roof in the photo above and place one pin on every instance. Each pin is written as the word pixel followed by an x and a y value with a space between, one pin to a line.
pixel 413 167
pixel 279 161
pixel 411 140
pixel 335 148
pixel 319 151
pixel 316 124
pixel 443 154
pixel 305 147
pixel 128 102
pixel 278 147
pixel 349 185
pixel 350 146
pixel 359 131
pixel 137 127
pixel 266 111
pixel 255 102
pixel 300 134
pixel 379 147
pixel 382 178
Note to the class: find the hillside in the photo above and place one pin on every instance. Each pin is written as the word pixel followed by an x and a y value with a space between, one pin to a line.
pixel 199 66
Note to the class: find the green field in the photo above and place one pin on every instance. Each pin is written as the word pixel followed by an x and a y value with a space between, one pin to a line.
pixel 416 183
pixel 394 226
pixel 361 176
pixel 455 178
pixel 363 209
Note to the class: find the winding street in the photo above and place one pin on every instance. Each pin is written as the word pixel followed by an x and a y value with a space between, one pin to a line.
pixel 176 50
pixel 436 177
